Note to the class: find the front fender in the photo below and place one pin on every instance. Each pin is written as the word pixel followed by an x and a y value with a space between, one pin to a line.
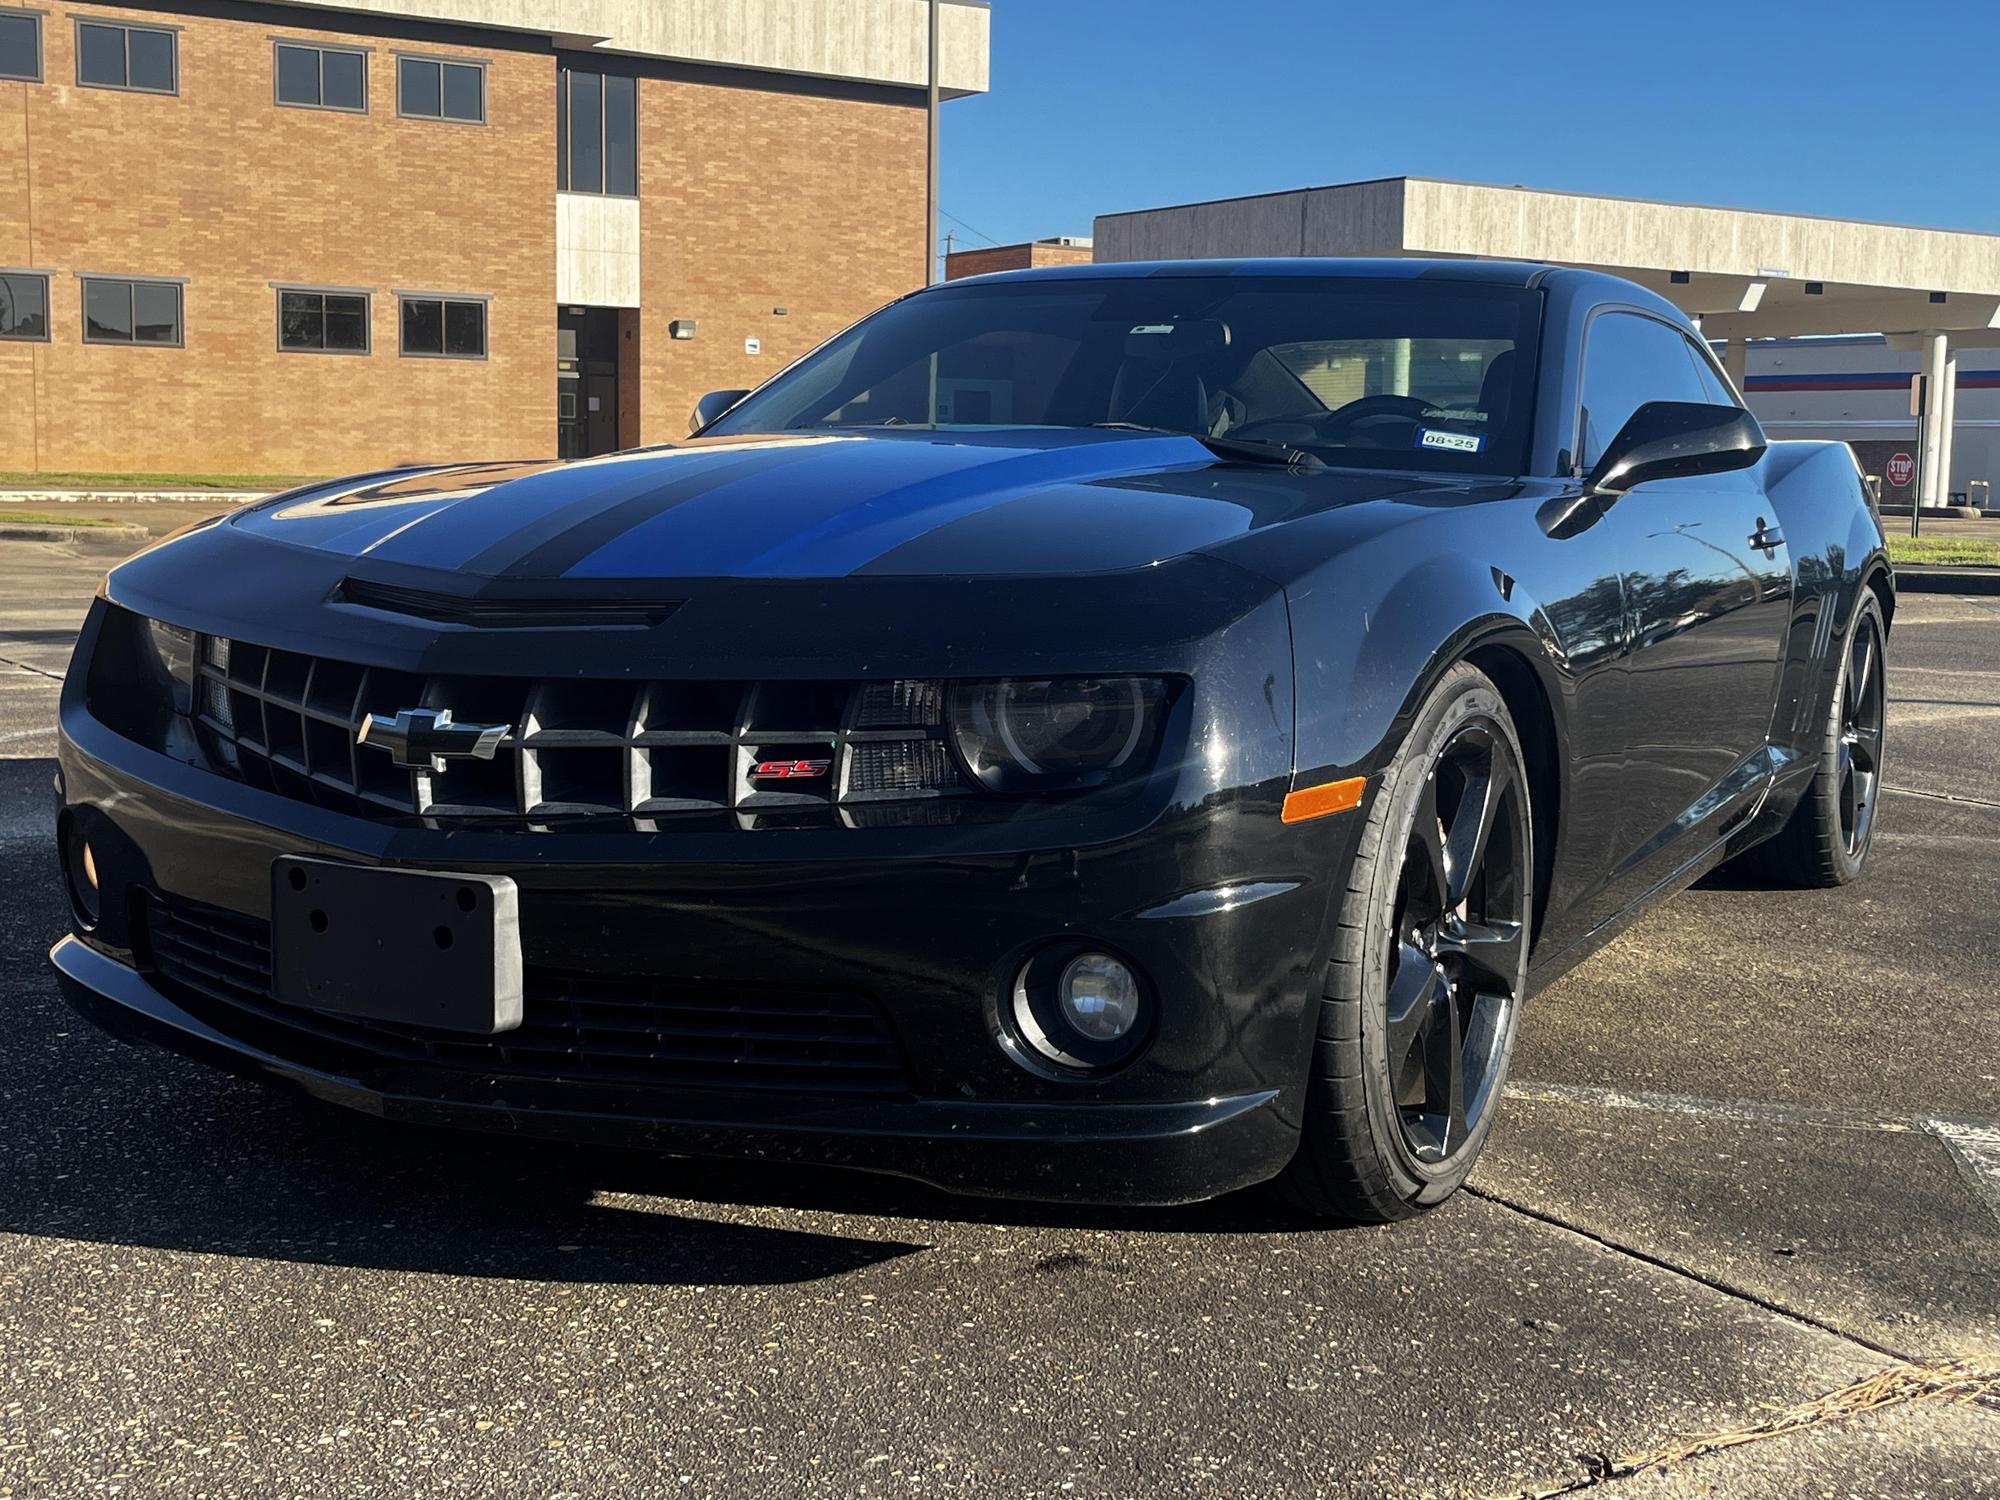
pixel 1366 660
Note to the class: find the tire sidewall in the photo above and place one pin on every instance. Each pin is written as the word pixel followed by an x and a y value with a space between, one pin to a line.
pixel 1464 696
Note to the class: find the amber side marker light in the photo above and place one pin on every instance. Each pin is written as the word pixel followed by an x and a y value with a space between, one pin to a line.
pixel 1321 801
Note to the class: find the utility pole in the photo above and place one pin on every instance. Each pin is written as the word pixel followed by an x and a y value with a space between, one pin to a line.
pixel 932 273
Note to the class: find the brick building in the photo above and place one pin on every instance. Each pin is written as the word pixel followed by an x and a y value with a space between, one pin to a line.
pixel 1064 250
pixel 285 238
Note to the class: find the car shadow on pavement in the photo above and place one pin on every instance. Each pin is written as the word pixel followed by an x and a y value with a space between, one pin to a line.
pixel 144 1149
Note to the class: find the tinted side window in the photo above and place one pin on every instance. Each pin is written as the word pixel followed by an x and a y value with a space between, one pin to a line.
pixel 1627 361
pixel 1717 388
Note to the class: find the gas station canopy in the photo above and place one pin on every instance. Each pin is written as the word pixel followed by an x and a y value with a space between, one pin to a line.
pixel 1745 275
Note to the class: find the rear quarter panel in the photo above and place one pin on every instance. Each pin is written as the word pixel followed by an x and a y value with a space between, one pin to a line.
pixel 1821 503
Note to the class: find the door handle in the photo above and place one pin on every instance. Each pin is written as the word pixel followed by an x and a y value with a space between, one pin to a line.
pixel 1766 537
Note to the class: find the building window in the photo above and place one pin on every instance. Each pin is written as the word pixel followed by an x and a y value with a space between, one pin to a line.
pixel 430 89
pixel 131 312
pixel 444 327
pixel 322 77
pixel 24 305
pixel 322 322
pixel 20 46
pixel 597 133
pixel 126 57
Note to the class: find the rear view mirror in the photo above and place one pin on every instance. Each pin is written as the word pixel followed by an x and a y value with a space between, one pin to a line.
pixel 1676 440
pixel 1175 341
pixel 711 406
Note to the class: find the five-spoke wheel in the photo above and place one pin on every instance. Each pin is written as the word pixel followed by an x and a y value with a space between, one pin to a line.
pixel 1862 707
pixel 1430 957
pixel 1459 925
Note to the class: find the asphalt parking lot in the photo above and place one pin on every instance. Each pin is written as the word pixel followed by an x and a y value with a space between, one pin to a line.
pixel 1752 1159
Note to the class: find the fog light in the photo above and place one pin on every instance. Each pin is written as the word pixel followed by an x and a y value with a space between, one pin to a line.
pixel 79 864
pixel 1099 997
pixel 1085 1012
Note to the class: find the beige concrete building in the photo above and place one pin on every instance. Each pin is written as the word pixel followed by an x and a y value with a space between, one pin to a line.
pixel 1745 275
pixel 276 238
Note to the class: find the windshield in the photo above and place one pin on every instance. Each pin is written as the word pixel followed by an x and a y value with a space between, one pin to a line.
pixel 1421 374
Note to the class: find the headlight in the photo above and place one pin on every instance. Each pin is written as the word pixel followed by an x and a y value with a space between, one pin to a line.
pixel 1022 734
pixel 173 654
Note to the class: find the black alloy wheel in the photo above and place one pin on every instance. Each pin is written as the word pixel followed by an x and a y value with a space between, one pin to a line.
pixel 1428 966
pixel 1863 709
pixel 1825 840
pixel 1459 926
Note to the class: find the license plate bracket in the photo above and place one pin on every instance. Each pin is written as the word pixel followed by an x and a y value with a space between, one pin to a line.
pixel 420 947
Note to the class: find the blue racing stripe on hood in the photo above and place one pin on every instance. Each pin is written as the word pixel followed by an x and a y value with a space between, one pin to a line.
pixel 865 499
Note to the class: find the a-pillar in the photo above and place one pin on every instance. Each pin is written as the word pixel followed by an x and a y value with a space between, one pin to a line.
pixel 1736 360
pixel 1937 362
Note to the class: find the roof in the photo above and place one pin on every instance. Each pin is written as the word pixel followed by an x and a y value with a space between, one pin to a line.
pixel 1745 273
pixel 872 41
pixel 1384 268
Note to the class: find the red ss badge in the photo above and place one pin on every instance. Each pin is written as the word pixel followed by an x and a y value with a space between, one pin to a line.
pixel 789 770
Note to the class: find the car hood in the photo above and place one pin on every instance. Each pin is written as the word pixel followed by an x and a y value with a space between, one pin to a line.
pixel 820 505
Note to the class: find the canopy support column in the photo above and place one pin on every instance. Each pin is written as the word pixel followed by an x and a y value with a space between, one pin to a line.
pixel 1937 356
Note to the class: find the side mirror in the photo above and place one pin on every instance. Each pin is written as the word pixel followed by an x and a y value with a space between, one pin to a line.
pixel 1676 440
pixel 711 406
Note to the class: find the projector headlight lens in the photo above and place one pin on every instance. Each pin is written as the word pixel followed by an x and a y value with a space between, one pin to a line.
pixel 1042 734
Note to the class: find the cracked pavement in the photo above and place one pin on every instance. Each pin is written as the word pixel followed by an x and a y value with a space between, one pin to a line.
pixel 1748 1159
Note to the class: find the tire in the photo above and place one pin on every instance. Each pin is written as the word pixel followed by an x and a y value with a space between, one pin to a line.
pixel 1405 993
pixel 1826 840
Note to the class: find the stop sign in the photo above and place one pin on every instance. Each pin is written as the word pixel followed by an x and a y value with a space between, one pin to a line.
pixel 1900 470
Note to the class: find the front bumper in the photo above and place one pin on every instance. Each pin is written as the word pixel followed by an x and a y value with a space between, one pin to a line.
pixel 1127 1153
pixel 1219 905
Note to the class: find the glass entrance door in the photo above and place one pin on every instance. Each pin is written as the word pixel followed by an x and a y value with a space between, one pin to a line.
pixel 586 381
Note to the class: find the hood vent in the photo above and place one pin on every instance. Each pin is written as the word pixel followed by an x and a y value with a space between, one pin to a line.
pixel 503 611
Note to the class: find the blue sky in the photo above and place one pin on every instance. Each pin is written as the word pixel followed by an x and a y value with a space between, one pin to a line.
pixel 1876 111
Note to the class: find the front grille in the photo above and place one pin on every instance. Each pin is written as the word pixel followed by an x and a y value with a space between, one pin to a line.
pixel 579 1027
pixel 573 747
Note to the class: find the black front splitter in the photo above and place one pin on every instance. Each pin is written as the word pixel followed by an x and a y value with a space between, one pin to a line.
pixel 1127 1153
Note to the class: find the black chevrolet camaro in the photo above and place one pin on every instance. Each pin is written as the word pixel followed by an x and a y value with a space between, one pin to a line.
pixel 1118 734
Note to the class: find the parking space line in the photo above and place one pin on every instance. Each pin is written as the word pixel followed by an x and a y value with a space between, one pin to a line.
pixel 1746 1111
pixel 26 734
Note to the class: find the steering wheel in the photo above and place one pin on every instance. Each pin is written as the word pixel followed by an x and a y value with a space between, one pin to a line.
pixel 1347 426
pixel 1374 409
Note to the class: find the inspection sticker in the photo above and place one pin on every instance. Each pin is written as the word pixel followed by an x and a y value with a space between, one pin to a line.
pixel 1451 442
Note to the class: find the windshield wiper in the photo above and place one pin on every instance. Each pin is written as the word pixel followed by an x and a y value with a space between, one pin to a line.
pixel 1279 455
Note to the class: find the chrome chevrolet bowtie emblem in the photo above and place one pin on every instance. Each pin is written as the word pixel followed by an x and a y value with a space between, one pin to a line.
pixel 423 739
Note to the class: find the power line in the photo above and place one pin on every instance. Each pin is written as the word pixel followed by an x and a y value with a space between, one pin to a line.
pixel 975 233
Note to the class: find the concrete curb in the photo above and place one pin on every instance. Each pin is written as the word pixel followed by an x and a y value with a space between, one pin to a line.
pixel 39 533
pixel 1942 513
pixel 1917 580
